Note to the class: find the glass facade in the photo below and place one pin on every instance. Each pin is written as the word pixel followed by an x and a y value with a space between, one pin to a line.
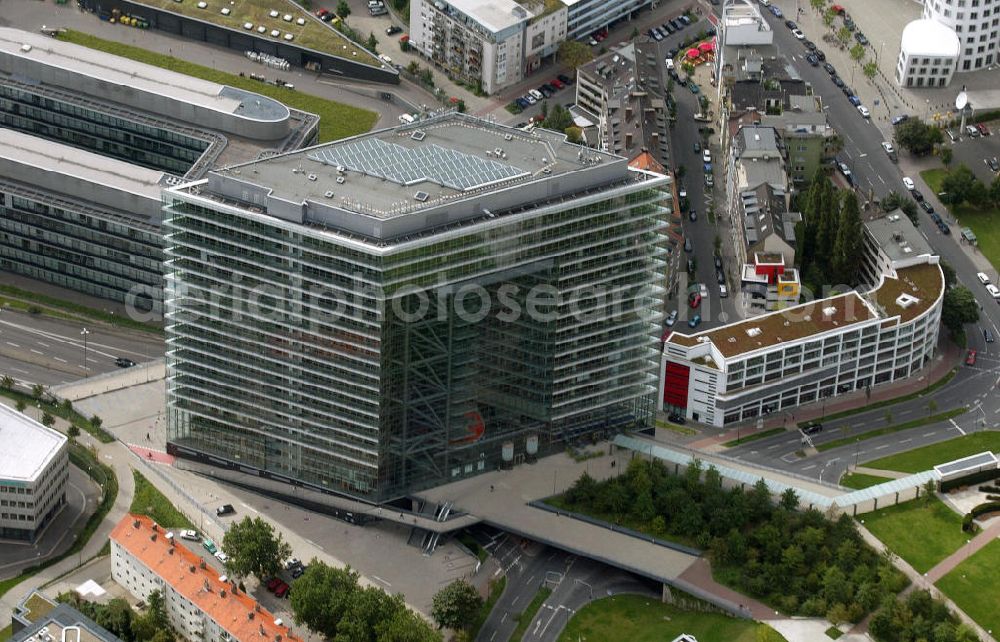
pixel 84 248
pixel 374 371
pixel 98 128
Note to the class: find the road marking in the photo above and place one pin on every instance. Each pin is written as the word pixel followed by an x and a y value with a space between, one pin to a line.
pixel 44 345
pixel 249 507
pixel 13 344
pixel 36 351
pixel 376 577
pixel 905 412
pixel 531 579
pixel 60 359
pixel 514 602
pixel 492 637
pixel 928 434
pixel 959 429
pixel 779 445
pixel 906 441
pixel 809 467
pixel 881 447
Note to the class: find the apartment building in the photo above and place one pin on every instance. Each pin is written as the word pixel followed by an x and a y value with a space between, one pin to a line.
pixel 34 469
pixel 584 17
pixel 756 186
pixel 356 370
pixel 201 603
pixel 976 24
pixel 85 134
pixel 490 43
pixel 39 619
pixel 811 352
pixel 891 242
pixel 620 92
pixel 806 138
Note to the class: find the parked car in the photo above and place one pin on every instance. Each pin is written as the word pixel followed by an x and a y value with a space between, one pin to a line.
pixel 677 418
pixel 987 335
pixel 854 100
pixel 694 321
pixel 693 87
pixel 693 216
pixel 537 95
pixel 718 261
pixel 791 24
pixel 908 183
pixel 972 131
pixel 970 358
pixel 522 103
pixel 723 291
pixel 993 290
pixel 209 546
pixel 927 206
pixel 809 44
pixel 686 20
pixel 190 535
pixel 837 81
pixel 697 147
pixel 983 278
pixel 225 509
pixel 819 54
pixel 720 277
pixel 983 129
pixel 944 228
pixel 694 301
pixel 273 583
pixel 812 427
pixel 888 148
pixel 282 589
pixel 952 135
pixel 687 245
pixel 671 319
pixel 566 80
pixel 690 266
pixel 707 167
pixel 776 12
pixel 297 572
pixel 896 120
pixel 813 59
pixel 709 180
pixel 556 84
pixel 798 34
pixel 860 37
pixel 545 91
pixel 222 557
pixel 392 30
pixel 846 171
pixel 864 111
pixel 829 69
pixel 123 362
pixel 292 563
pixel 992 163
pixel 917 195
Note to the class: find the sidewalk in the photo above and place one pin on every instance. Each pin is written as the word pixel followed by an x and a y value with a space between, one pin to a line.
pixel 948 356
pixel 946 565
pixel 699 574
pixel 917 581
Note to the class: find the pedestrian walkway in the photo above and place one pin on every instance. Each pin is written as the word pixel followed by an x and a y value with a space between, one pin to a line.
pixel 948 356
pixel 878 472
pixel 699 575
pixel 152 455
pixel 946 565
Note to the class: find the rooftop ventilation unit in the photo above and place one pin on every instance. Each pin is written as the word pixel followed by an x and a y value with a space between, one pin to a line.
pixel 508 137
pixel 421 196
pixel 418 135
pixel 312 177
pixel 753 332
pixel 906 300
pixel 340 180
pixel 328 194
pixel 829 311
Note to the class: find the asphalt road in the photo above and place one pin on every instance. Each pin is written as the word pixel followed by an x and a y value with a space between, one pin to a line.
pixel 51 351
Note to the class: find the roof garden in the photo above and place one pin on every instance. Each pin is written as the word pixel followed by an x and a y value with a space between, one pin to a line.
pixel 541 8
pixel 311 34
pixel 915 290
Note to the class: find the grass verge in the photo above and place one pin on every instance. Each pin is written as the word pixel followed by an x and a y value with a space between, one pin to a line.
pixel 922 532
pixel 857 481
pixel 525 617
pixel 889 402
pixel 637 618
pixel 906 425
pixel 974 588
pixel 982 221
pixel 150 501
pixel 337 120
pixel 754 437
pixel 470 543
pixel 925 458
pixel 62 411
pixel 681 430
pixel 86 461
pixel 32 302
pixel 496 590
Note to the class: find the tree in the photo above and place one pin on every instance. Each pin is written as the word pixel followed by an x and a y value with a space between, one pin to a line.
pixel 818 4
pixel 321 597
pixel 116 616
pixel 848 250
pixel 343 9
pixel 47 420
pixel 456 605
pixel 37 391
pixel 558 119
pixel 427 77
pixel 869 70
pixel 844 35
pixel 372 42
pixel 574 54
pixel 995 191
pixel 946 154
pixel 789 499
pixel 73 431
pixel 931 407
pixel 7 382
pixel 254 549
pixel 917 137
pixel 958 308
pixel 96 421
pixel 909 208
pixel 413 67
pixel 828 17
pixel 950 276
pixel 858 52
pixel 959 186
pixel 20 405
pixel 574 135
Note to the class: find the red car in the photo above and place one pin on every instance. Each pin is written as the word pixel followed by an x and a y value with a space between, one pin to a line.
pixel 555 83
pixel 282 590
pixel 273 584
pixel 321 12
pixel 695 300
pixel 983 129
pixel 970 358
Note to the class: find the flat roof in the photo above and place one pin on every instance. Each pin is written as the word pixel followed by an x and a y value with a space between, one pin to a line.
pixel 926 37
pixel 393 172
pixel 495 15
pixel 57 617
pixel 923 282
pixel 28 446
pixel 50 156
pixel 972 462
pixel 235 611
pixel 897 236
pixel 138 76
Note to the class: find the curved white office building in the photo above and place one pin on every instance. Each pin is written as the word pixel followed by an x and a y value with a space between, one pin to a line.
pixel 975 22
pixel 927 55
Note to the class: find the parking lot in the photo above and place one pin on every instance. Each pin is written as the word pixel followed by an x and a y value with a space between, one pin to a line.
pixel 976 151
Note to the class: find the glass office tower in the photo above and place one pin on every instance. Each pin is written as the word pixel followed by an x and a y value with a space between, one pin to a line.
pixel 409 307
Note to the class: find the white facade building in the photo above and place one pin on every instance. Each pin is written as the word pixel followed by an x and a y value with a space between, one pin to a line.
pixel 976 23
pixel 828 347
pixel 201 604
pixel 587 16
pixel 928 54
pixel 34 469
pixel 491 42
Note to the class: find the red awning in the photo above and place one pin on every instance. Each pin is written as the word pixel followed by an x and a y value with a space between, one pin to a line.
pixel 706 46
pixel 693 53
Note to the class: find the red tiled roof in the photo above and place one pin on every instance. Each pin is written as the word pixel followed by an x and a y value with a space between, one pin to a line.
pixel 646 161
pixel 233 611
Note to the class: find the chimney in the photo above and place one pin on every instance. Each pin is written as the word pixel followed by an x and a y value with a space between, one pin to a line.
pixel 222 593
pixel 136 524
pixel 191 568
pixel 201 564
pixel 154 526
pixel 262 631
pixel 152 537
pixel 250 615
pixel 170 551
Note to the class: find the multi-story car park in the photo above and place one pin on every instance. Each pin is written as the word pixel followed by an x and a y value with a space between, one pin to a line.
pixel 34 468
pixel 364 365
pixel 827 347
pixel 88 137
pixel 976 24
pixel 200 603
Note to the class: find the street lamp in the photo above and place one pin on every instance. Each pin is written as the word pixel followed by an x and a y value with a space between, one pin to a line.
pixel 84 333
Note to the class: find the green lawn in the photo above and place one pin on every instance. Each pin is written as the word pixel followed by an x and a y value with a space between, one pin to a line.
pixel 336 119
pixel 858 481
pixel 921 532
pixel 149 501
pixel 974 588
pixel 982 221
pixel 921 459
pixel 635 618
pixel 5 633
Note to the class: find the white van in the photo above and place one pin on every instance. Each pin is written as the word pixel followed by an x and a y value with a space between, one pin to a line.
pixel 386 59
pixel 985 280
pixel 406 119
